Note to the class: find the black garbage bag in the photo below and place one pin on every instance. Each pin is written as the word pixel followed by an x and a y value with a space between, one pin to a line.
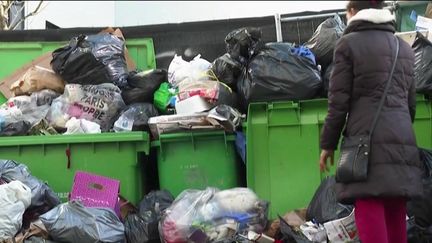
pixel 134 95
pixel 418 234
pixel 326 79
pixel 135 117
pixel 92 59
pixel 72 222
pixel 142 86
pixel 423 61
pixel 243 43
pixel 16 129
pixel 227 96
pixel 148 79
pixel 276 73
pixel 156 201
pixel 43 198
pixel 143 226
pixel 288 235
pixel 421 208
pixel 324 206
pixel 227 70
pixel 323 41
pixel 44 97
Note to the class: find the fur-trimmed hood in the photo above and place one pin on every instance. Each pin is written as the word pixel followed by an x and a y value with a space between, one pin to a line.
pixel 371 19
pixel 376 16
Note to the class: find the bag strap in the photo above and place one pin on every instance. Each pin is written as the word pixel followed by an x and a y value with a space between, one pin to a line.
pixel 387 87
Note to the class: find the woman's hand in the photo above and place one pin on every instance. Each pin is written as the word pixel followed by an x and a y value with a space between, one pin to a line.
pixel 325 155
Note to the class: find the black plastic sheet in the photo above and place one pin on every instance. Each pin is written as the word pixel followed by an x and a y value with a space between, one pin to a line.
pixel 423 62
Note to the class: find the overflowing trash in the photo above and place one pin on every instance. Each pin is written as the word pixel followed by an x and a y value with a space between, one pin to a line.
pixel 15 198
pixel 92 60
pixel 97 103
pixel 243 43
pixel 44 97
pixel 212 215
pixel 142 86
pixel 193 71
pixel 42 197
pixel 135 117
pixel 227 70
pixel 72 222
pixel 37 79
pixel 324 206
pixel 78 126
pixel 142 226
pixel 164 97
pixel 90 88
pixel 325 220
pixel 323 41
pixel 342 230
pixel 419 209
pixel 276 73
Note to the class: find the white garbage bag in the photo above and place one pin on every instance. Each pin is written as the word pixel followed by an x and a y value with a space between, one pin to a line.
pixel 97 103
pixel 79 126
pixel 15 197
pixel 180 70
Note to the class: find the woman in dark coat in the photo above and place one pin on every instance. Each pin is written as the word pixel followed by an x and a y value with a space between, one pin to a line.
pixel 362 65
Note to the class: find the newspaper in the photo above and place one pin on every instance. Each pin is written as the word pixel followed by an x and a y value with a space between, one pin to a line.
pixel 342 230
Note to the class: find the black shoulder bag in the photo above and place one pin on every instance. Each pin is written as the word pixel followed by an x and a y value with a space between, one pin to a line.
pixel 355 150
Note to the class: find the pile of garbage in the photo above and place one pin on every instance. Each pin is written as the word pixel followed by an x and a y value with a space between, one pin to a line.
pixel 32 212
pixel 324 220
pixel 88 88
pixel 92 87
pixel 213 216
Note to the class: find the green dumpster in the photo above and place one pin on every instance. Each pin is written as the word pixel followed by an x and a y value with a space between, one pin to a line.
pixel 282 153
pixel 196 160
pixel 283 149
pixel 55 159
pixel 16 54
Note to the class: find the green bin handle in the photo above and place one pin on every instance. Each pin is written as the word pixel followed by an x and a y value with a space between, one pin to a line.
pixel 191 136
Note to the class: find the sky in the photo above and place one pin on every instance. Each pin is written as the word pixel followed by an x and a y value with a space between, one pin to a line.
pixel 68 14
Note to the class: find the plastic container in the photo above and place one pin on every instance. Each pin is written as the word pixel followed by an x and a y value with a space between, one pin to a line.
pixel 55 159
pixel 196 160
pixel 282 153
pixel 283 149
